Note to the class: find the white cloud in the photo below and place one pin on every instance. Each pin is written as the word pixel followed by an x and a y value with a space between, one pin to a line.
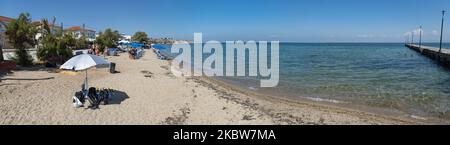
pixel 417 31
pixel 435 33
pixel 365 36
pixel 371 36
pixel 414 32
pixel 407 34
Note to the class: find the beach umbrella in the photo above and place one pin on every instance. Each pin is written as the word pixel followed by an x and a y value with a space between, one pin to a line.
pixel 123 42
pixel 136 45
pixel 84 62
pixel 158 46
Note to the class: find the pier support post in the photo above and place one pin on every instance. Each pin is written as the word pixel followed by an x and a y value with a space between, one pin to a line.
pixel 420 37
pixel 442 29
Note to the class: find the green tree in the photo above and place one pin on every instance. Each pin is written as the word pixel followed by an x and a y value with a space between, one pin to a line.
pixel 2 39
pixel 1 48
pixel 81 42
pixel 21 34
pixel 55 45
pixel 108 38
pixel 140 37
pixel 66 43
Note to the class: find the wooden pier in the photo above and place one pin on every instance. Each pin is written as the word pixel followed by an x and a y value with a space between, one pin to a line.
pixel 442 57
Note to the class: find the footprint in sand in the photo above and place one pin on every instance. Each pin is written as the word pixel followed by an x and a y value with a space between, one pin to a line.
pixel 147 74
pixel 248 117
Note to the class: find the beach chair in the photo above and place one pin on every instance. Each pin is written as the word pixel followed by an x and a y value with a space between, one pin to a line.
pixel 78 53
pixel 139 53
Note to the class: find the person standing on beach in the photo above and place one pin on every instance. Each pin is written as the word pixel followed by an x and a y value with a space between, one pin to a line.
pixel 92 49
pixel 97 51
pixel 105 52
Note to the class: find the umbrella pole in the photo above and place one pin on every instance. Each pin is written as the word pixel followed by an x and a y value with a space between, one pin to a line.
pixel 86 81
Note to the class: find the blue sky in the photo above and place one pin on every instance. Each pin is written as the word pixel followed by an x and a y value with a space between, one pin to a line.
pixel 283 20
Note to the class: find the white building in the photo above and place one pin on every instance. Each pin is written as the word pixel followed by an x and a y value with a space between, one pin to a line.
pixel 3 22
pixel 77 32
pixel 126 37
pixel 53 28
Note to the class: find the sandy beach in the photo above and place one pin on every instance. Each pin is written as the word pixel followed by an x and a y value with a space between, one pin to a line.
pixel 147 93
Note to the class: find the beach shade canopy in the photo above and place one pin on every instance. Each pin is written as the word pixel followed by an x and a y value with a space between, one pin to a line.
pixel 91 40
pixel 156 46
pixel 123 42
pixel 83 62
pixel 136 45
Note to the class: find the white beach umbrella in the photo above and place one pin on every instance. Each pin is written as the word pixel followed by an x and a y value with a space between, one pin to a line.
pixel 124 41
pixel 84 62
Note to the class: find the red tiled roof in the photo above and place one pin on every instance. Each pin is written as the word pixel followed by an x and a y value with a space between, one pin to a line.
pixel 5 19
pixel 40 23
pixel 77 28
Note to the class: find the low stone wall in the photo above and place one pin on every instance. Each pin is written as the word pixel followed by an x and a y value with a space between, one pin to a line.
pixel 6 66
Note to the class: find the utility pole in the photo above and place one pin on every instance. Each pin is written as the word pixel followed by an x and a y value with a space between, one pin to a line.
pixel 410 35
pixel 420 37
pixel 442 29
pixel 408 38
pixel 82 31
pixel 62 28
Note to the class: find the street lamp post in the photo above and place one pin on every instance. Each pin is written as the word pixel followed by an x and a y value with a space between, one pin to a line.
pixel 406 40
pixel 442 29
pixel 420 37
pixel 409 39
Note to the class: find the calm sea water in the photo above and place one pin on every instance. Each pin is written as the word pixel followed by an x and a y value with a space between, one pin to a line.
pixel 386 75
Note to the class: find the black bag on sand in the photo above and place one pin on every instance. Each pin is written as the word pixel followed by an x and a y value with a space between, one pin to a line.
pixel 93 98
pixel 78 100
pixel 104 96
pixel 97 97
pixel 112 68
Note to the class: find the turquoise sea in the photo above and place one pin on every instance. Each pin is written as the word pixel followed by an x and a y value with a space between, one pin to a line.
pixel 382 75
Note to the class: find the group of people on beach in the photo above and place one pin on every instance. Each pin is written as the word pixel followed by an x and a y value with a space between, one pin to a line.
pixel 134 53
pixel 95 49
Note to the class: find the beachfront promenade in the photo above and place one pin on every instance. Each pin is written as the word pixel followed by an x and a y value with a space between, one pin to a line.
pixel 442 57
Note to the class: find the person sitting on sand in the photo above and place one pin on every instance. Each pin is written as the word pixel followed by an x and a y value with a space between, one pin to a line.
pixel 132 53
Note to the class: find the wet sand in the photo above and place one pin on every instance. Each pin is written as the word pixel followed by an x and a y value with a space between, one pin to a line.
pixel 146 92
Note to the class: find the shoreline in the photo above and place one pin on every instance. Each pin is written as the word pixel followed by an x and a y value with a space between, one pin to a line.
pixel 223 87
pixel 384 112
pixel 145 95
pixel 333 107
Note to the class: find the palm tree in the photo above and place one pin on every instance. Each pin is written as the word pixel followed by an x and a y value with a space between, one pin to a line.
pixel 108 38
pixel 54 45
